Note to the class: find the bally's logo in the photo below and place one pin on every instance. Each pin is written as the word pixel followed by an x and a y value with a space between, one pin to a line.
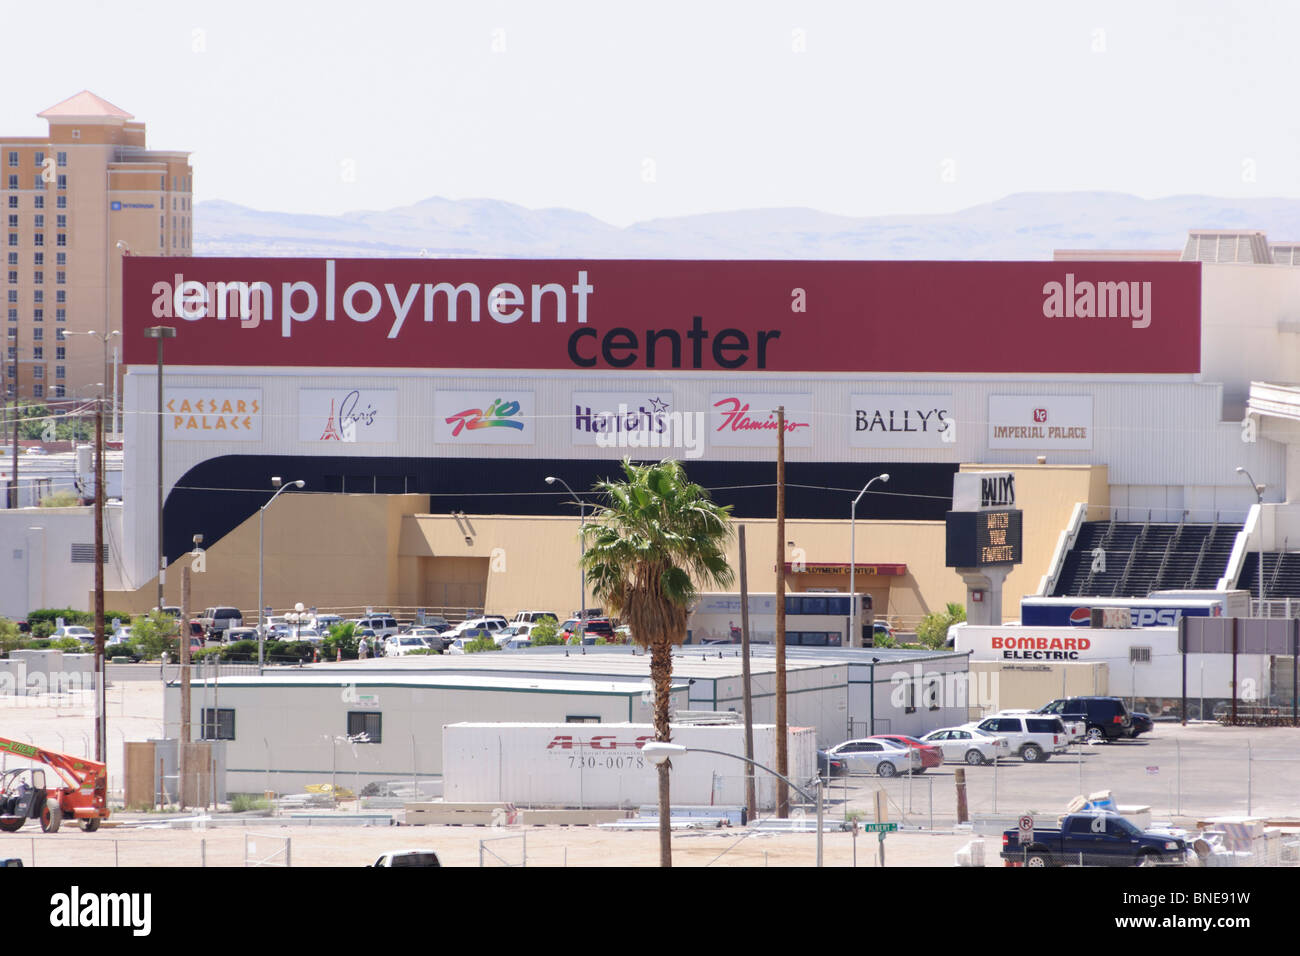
pixel 1073 299
pixel 998 491
pixel 499 414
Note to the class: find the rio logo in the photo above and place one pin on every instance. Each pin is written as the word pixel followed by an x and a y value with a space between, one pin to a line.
pixel 500 414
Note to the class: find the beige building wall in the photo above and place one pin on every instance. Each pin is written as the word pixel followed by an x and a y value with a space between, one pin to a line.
pixel 997 686
pixel 348 552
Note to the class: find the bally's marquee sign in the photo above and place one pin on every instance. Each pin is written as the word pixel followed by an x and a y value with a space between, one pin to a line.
pixel 984 527
pixel 749 316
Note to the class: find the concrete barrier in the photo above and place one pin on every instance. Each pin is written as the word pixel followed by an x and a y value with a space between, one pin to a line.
pixel 500 814
pixel 13 678
pixel 40 665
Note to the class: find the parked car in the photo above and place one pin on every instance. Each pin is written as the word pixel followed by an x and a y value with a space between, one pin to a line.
pixel 323 622
pixel 883 757
pixel 517 643
pixel 1033 739
pixel 84 634
pixel 1142 723
pixel 931 756
pixel 491 624
pixel 217 620
pixel 829 766
pixel 408 858
pixel 535 617
pixel 1075 729
pixel 967 744
pixel 431 636
pixel 1106 718
pixel 403 644
pixel 240 634
pixel 513 631
pixel 384 625
pixel 880 630
pixel 1096 838
pixel 592 629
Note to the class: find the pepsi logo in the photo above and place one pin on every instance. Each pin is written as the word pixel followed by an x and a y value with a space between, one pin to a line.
pixel 1081 617
pixel 1040 414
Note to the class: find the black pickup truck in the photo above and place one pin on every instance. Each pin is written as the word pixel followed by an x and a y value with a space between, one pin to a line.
pixel 1095 838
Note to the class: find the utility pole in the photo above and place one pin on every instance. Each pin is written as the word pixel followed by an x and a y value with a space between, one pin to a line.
pixel 101 672
pixel 13 478
pixel 782 733
pixel 183 625
pixel 751 801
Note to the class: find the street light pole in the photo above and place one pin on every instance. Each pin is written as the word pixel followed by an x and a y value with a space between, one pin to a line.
pixel 855 638
pixel 582 565
pixel 1259 500
pixel 659 751
pixel 161 333
pixel 104 337
pixel 261 553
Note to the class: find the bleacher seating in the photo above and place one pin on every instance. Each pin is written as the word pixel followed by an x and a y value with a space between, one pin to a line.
pixel 1142 557
pixel 1281 575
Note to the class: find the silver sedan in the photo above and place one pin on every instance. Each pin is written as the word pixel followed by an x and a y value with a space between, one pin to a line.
pixel 883 757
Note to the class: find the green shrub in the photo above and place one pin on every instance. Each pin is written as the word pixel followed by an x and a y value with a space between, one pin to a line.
pixel 61 499
pixel 243 802
pixel 292 651
pixel 341 637
pixel 239 651
pixel 480 644
pixel 545 634
pixel 932 632
pixel 70 645
pixel 51 615
pixel 425 650
pixel 10 637
pixel 155 634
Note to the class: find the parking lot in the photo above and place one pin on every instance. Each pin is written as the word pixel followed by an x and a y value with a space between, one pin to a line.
pixel 1181 773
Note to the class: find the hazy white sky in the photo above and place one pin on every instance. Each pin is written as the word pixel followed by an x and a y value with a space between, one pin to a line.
pixel 631 111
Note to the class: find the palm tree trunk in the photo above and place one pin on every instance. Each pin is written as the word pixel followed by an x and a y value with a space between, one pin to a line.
pixel 661 675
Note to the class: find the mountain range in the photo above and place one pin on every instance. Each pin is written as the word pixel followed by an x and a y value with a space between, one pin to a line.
pixel 1020 226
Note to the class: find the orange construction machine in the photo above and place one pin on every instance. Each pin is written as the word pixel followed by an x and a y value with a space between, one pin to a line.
pixel 24 794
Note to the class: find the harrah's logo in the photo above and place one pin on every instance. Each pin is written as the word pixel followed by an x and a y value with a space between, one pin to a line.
pixel 1098 300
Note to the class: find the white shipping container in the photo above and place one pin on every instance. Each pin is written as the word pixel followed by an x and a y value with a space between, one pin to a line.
pixel 601 765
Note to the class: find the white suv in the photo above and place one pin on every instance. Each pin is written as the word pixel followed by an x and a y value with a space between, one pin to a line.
pixel 1033 738
pixel 384 625
pixel 491 624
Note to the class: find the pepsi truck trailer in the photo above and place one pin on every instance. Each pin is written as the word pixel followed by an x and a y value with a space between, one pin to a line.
pixel 1160 609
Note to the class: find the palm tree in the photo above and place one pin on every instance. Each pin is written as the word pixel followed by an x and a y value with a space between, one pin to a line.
pixel 658 536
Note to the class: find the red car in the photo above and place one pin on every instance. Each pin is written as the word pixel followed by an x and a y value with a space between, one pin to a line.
pixel 931 756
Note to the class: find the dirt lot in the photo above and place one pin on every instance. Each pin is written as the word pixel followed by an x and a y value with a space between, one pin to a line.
pixel 460 846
